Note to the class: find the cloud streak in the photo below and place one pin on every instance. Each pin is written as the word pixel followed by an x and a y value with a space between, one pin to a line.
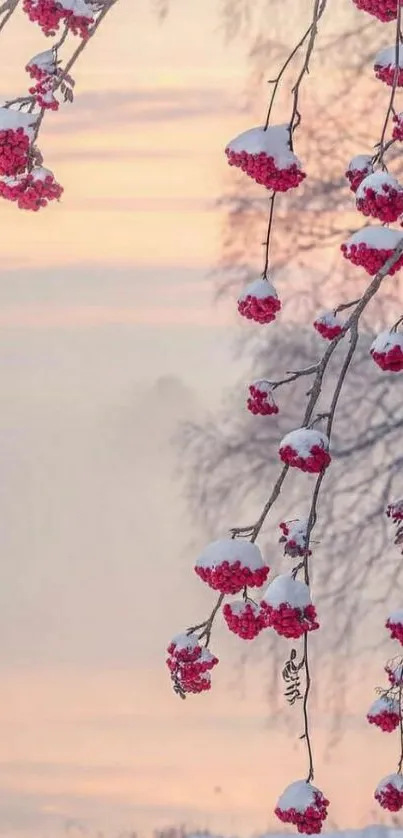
pixel 93 110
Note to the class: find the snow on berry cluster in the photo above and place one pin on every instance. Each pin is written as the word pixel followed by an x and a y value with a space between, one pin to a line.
pixel 259 301
pixel 33 190
pixel 261 400
pixel 265 155
pixel 387 351
pixel 244 618
pixel 385 714
pixel 306 449
pixel 189 664
pixel 77 15
pixel 229 564
pixel 371 247
pixel 44 70
pixel 287 607
pixel 358 169
pixel 389 792
pixel 328 325
pixel 304 806
pixel 294 538
pixel 380 196
pixel 385 66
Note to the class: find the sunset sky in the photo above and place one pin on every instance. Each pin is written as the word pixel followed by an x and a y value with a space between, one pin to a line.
pixel 101 297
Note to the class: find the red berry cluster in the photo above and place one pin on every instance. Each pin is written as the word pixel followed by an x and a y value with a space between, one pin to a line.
pixel 189 664
pixel 395 626
pixel 389 793
pixel 14 148
pixel 50 13
pixel 386 73
pixel 264 170
pixel 259 301
pixel 294 538
pixel 260 310
pixel 307 818
pixel 385 202
pixel 384 10
pixel 372 259
pixel 387 351
pixel 43 91
pixel 327 326
pixel 31 191
pixel 244 618
pixel 261 401
pixel 395 675
pixel 232 578
pixel 385 714
pixel 44 71
pixel 78 24
pixel 288 620
pixel 397 133
pixel 314 460
pixel 358 169
pixel 395 511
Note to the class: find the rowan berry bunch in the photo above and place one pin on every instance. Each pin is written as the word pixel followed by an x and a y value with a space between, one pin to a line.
pixel 23 179
pixel 234 566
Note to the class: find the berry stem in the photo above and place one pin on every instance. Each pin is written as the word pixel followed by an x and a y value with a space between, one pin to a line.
pixel 207 625
pixel 295 119
pixel 382 146
pixel 269 229
pixel 400 763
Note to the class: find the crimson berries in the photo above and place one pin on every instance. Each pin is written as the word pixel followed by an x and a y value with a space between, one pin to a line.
pixel 380 196
pixel 394 510
pixel 76 14
pixel 384 10
pixel 385 66
pixel 306 449
pixel 358 168
pixel 395 675
pixel 397 133
pixel 261 399
pixel 33 190
pixel 265 155
pixel 389 792
pixel 189 664
pixel 387 351
pixel 44 70
pixel 328 325
pixel 371 247
pixel 304 806
pixel 294 537
pixel 384 713
pixel 395 625
pixel 227 565
pixel 16 133
pixel 244 618
pixel 259 301
pixel 287 608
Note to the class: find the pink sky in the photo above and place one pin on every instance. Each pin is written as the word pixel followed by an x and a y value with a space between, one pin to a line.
pixel 99 297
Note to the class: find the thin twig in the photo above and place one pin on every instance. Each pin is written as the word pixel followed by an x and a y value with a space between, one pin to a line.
pixel 382 147
pixel 268 234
